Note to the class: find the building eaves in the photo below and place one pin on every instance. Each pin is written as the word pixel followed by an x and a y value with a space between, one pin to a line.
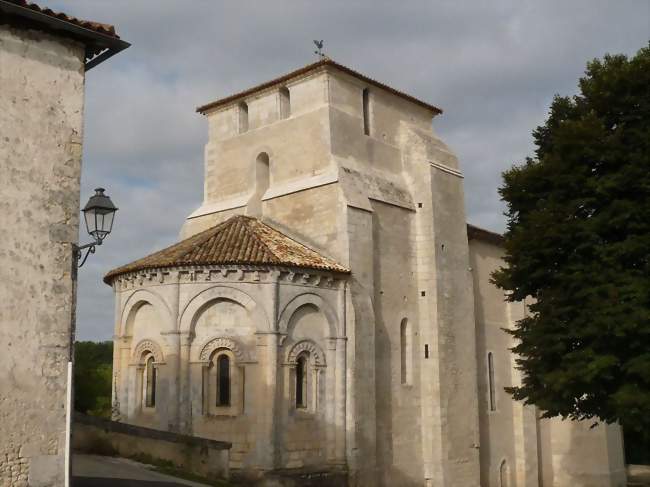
pixel 307 69
pixel 477 233
pixel 101 40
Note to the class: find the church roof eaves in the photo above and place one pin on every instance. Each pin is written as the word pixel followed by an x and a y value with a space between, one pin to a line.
pixel 239 240
pixel 478 233
pixel 312 67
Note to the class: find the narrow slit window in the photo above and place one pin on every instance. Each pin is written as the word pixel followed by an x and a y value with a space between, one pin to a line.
pixel 223 380
pixel 285 103
pixel 406 350
pixel 301 382
pixel 366 112
pixel 150 371
pixel 490 364
pixel 243 117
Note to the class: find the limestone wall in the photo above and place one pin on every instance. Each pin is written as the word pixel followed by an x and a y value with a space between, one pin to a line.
pixel 195 455
pixel 41 95
pixel 516 446
pixel 263 318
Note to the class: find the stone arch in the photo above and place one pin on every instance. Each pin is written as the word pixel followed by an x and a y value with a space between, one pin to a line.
pixel 150 346
pixel 198 303
pixel 306 346
pixel 309 299
pixel 136 300
pixel 213 344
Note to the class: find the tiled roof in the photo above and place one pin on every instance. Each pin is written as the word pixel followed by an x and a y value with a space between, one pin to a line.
pixel 477 233
pixel 106 29
pixel 307 69
pixel 238 240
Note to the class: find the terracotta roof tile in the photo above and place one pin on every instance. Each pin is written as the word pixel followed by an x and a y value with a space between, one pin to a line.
pixel 307 69
pixel 238 240
pixel 106 29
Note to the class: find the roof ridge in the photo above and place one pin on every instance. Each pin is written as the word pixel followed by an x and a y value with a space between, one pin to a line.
pixel 309 249
pixel 307 69
pixel 255 237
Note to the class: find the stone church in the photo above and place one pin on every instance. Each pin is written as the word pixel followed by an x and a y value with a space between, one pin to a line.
pixel 328 309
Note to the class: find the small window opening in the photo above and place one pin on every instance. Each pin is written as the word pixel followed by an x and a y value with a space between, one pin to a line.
pixel 150 371
pixel 285 103
pixel 301 382
pixel 223 380
pixel 426 350
pixel 243 117
pixel 490 360
pixel 366 111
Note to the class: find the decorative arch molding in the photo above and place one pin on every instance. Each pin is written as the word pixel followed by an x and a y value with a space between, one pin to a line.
pixel 136 300
pixel 148 345
pixel 309 299
pixel 306 346
pixel 213 344
pixel 192 310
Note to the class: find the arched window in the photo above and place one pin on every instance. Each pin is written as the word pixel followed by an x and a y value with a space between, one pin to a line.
pixel 223 384
pixel 406 352
pixel 223 380
pixel 366 111
pixel 150 382
pixel 285 103
pixel 504 474
pixel 301 382
pixel 243 117
pixel 262 173
pixel 491 389
pixel 262 177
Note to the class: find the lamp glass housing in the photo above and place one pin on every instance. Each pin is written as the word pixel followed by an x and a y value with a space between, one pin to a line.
pixel 99 214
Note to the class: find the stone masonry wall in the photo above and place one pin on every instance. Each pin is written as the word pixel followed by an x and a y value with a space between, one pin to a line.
pixel 41 95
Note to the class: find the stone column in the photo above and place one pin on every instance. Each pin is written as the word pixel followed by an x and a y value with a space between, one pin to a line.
pixel 134 387
pixel 185 420
pixel 172 371
pixel 330 402
pixel 268 434
pixel 173 357
pixel 340 399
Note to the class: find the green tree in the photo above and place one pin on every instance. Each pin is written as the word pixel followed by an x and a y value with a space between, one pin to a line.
pixel 92 377
pixel 578 247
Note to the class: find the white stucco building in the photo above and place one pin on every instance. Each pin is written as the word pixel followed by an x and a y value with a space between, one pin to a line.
pixel 44 58
pixel 328 308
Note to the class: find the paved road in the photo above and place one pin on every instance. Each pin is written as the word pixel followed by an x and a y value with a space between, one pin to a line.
pixel 98 471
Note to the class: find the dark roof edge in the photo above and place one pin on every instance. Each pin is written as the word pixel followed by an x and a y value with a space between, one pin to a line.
pixel 478 233
pixel 99 46
pixel 312 67
pixel 110 276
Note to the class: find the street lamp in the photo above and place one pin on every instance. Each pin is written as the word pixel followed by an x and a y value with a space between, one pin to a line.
pixel 98 214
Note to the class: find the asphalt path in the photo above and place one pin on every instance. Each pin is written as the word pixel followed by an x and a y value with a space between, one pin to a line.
pixel 99 471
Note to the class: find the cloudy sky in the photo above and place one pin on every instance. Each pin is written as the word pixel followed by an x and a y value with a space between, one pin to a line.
pixel 492 66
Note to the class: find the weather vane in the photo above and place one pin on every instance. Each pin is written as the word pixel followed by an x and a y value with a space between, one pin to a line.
pixel 319 52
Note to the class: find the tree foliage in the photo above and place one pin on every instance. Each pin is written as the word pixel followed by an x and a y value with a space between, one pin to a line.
pixel 578 248
pixel 93 370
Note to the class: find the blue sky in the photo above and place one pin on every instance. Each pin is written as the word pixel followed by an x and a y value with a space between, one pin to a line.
pixel 492 66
